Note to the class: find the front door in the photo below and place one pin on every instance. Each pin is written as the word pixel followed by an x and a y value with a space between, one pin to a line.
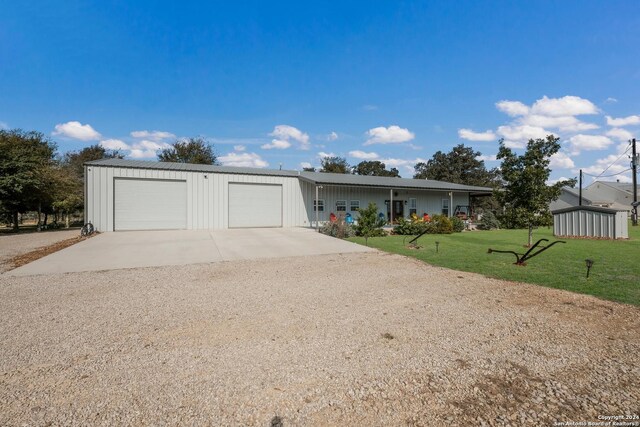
pixel 398 210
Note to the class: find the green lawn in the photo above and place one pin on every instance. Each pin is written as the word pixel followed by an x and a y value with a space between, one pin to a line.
pixel 615 274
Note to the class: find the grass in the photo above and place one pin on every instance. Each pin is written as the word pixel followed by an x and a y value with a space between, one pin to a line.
pixel 615 274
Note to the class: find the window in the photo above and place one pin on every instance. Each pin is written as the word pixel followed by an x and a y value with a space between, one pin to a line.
pixel 445 207
pixel 413 206
pixel 320 205
pixel 355 206
pixel 341 205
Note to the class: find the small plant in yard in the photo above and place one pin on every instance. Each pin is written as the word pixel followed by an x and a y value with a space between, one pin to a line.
pixel 488 222
pixel 339 229
pixel 442 224
pixel 458 224
pixel 369 224
pixel 405 227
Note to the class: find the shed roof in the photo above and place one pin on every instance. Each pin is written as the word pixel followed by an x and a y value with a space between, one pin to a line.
pixel 586 208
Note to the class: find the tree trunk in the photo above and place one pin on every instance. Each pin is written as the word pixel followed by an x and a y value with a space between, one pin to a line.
pixel 66 220
pixel 15 220
pixel 530 236
pixel 46 217
pixel 38 227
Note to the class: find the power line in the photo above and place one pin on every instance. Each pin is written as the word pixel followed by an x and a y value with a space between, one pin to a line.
pixel 607 176
pixel 613 163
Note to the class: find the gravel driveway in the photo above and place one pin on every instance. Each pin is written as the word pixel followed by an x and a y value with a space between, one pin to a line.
pixel 12 245
pixel 358 339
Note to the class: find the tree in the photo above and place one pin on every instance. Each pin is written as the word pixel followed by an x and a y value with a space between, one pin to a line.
pixel 525 194
pixel 309 169
pixel 74 160
pixel 374 168
pixel 369 223
pixel 334 164
pixel 461 166
pixel 191 150
pixel 26 159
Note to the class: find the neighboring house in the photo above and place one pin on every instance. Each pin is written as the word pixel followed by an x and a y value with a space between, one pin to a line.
pixel 614 195
pixel 569 197
pixel 140 195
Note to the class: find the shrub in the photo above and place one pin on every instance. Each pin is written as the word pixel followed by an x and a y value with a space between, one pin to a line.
pixel 339 229
pixel 369 224
pixel 458 224
pixel 442 224
pixel 488 222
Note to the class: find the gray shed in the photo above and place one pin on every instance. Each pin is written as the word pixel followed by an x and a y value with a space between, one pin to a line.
pixel 590 221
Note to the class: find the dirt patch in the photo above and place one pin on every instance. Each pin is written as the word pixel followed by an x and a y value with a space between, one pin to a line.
pixel 26 258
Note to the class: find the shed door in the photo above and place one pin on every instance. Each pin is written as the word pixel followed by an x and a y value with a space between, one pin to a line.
pixel 255 205
pixel 150 204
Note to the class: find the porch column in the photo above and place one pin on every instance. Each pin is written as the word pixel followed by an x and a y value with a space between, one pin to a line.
pixel 450 204
pixel 315 204
pixel 391 206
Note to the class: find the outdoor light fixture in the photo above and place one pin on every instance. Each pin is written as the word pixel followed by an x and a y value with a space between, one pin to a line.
pixel 437 246
pixel 589 265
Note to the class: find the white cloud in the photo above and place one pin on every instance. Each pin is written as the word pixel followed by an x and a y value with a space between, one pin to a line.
pixel 621 165
pixel 322 154
pixel 369 107
pixel 305 165
pixel 76 130
pixel 287 133
pixel 565 106
pixel 332 136
pixel 278 144
pixel 619 134
pixel 4 126
pixel 150 145
pixel 114 144
pixel 470 135
pixel 517 136
pixel 391 135
pixel 512 108
pixel 406 164
pixel 623 121
pixel 487 158
pixel 250 160
pixel 154 135
pixel 561 160
pixel 581 142
pixel 563 123
pixel 142 154
pixel 610 100
pixel 363 155
pixel 553 181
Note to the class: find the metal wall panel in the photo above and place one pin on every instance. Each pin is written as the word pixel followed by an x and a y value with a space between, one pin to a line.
pixel 585 223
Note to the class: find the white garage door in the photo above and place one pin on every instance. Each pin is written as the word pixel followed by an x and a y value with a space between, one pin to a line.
pixel 255 205
pixel 150 204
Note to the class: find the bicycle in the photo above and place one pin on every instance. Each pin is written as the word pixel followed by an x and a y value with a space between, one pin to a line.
pixel 87 230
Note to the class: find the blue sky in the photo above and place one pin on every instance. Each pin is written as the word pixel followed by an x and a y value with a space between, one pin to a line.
pixel 273 83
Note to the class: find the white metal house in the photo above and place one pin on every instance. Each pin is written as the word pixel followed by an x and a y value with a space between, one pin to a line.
pixel 141 195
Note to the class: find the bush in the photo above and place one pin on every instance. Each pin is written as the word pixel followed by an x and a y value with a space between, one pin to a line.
pixel 406 227
pixel 369 224
pixel 488 222
pixel 442 224
pixel 339 229
pixel 458 224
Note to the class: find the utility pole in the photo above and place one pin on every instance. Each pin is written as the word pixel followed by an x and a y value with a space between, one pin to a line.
pixel 580 198
pixel 634 176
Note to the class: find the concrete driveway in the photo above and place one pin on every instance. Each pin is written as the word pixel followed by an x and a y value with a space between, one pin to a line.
pixel 131 249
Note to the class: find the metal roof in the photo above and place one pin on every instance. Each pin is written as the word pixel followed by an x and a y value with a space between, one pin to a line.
pixel 586 208
pixel 188 167
pixel 322 178
pixel 319 178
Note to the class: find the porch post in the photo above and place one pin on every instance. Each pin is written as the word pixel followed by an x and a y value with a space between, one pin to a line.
pixel 315 204
pixel 391 206
pixel 451 204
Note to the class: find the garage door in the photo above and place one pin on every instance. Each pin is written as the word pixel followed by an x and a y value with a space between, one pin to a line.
pixel 255 205
pixel 150 204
